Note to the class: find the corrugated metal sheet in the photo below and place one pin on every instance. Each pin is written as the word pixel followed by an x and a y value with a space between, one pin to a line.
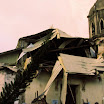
pixel 60 33
pixel 35 46
pixel 83 65
pixel 23 52
pixel 57 68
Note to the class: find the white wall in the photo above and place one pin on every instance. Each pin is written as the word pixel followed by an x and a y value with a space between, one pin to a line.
pixel 2 80
pixel 5 77
pixel 93 92
pixel 39 84
pixel 94 89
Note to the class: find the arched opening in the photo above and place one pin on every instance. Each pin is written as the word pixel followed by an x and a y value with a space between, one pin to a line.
pixel 93 28
pixel 101 24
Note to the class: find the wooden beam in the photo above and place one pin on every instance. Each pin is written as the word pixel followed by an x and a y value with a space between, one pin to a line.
pixel 71 48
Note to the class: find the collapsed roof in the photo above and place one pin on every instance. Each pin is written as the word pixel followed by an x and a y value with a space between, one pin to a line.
pixel 61 43
pixel 11 68
pixel 74 55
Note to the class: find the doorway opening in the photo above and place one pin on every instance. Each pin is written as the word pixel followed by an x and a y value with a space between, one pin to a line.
pixel 71 94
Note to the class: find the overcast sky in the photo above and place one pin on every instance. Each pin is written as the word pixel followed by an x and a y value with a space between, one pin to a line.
pixel 19 18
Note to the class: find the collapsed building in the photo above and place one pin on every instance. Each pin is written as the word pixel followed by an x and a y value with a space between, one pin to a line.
pixel 70 69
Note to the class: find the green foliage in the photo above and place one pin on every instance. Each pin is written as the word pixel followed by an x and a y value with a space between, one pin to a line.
pixel 12 90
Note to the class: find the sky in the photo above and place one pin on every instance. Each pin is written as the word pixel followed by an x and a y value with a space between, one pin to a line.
pixel 19 18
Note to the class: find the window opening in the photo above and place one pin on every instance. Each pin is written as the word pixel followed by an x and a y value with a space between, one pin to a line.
pixel 93 28
pixel 101 24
